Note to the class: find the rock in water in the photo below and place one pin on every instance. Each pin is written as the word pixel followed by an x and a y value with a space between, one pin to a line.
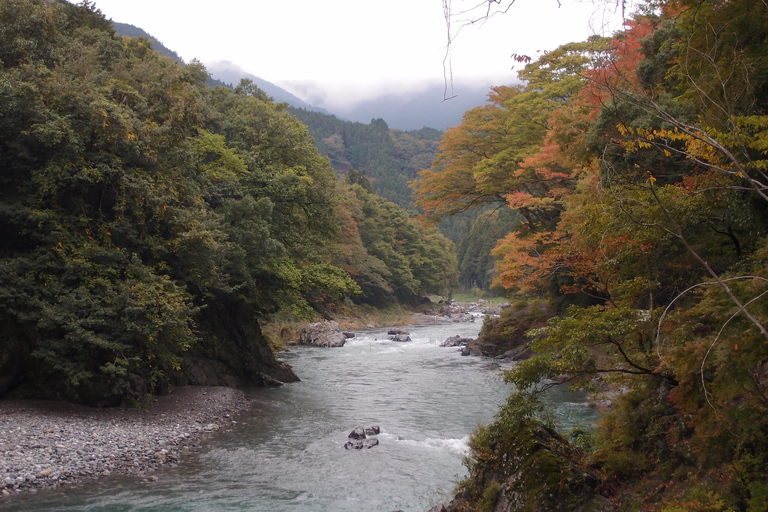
pixel 358 438
pixel 358 433
pixel 322 334
pixel 359 444
pixel 455 341
pixel 400 337
pixel 396 331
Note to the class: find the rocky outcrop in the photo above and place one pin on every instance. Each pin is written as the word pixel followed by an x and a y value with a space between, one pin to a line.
pixel 528 466
pixel 453 311
pixel 322 334
pixel 232 351
pixel 519 353
pixel 505 337
pixel 361 438
pixel 455 341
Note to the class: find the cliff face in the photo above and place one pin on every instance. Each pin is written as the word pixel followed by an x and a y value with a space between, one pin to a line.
pixel 232 351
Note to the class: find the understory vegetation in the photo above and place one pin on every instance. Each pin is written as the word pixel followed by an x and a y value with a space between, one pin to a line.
pixel 637 167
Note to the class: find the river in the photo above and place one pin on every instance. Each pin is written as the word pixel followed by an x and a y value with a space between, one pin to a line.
pixel 287 453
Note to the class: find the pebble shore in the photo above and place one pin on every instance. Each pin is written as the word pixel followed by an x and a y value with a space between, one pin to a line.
pixel 50 444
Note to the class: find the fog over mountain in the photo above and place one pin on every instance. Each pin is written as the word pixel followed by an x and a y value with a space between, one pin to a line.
pixel 231 74
pixel 403 107
pixel 429 105
pixel 418 109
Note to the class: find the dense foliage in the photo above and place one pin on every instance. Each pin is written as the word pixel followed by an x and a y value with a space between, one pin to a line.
pixel 639 167
pixel 149 221
pixel 388 158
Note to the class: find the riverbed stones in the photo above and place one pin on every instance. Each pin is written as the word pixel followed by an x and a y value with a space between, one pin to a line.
pixel 322 334
pixel 50 444
pixel 402 338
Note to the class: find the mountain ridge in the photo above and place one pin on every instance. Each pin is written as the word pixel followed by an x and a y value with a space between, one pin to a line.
pixel 408 110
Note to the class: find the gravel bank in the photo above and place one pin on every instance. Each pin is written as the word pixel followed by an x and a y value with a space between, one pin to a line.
pixel 49 444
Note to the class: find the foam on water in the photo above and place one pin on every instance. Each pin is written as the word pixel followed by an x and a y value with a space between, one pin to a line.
pixel 287 454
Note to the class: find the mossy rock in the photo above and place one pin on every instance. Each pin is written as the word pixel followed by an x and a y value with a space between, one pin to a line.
pixel 522 465
pixel 507 333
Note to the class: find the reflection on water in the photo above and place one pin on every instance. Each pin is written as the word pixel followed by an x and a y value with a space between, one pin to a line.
pixel 287 454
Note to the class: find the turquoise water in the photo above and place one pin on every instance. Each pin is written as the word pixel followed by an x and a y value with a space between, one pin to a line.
pixel 286 454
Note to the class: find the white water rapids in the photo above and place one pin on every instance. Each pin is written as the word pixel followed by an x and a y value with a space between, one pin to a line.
pixel 287 453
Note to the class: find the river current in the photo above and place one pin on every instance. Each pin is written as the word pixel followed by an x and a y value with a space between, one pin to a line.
pixel 287 453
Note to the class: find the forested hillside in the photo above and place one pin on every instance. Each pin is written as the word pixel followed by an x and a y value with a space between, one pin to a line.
pixel 637 165
pixel 149 222
pixel 388 158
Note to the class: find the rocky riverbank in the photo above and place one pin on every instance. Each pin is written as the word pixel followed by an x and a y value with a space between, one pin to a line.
pixel 50 444
pixel 453 311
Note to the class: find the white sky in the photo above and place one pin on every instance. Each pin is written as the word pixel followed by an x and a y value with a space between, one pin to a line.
pixel 355 48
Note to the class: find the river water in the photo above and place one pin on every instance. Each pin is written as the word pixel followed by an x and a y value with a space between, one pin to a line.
pixel 287 453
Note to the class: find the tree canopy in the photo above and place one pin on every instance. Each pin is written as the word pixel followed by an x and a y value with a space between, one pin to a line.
pixel 149 222
pixel 642 185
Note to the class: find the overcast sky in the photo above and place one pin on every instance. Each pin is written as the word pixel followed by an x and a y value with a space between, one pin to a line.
pixel 356 48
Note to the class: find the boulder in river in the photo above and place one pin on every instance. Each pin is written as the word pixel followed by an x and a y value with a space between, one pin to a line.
pixel 322 334
pixel 396 331
pixel 455 341
pixel 361 438
pixel 400 337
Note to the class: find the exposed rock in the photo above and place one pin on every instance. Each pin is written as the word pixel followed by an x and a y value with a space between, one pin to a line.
pixel 455 341
pixel 361 438
pixel 348 334
pixel 536 470
pixel 473 348
pixel 400 337
pixel 423 319
pixel 395 331
pixel 358 433
pixel 520 353
pixel 359 444
pixel 322 334
pixel 505 337
pixel 232 351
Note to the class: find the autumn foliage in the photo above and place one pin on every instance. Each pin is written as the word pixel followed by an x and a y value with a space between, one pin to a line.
pixel 639 165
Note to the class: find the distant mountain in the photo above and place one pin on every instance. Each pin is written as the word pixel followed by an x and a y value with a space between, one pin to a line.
pixel 231 74
pixel 126 30
pixel 415 110
pixel 406 111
